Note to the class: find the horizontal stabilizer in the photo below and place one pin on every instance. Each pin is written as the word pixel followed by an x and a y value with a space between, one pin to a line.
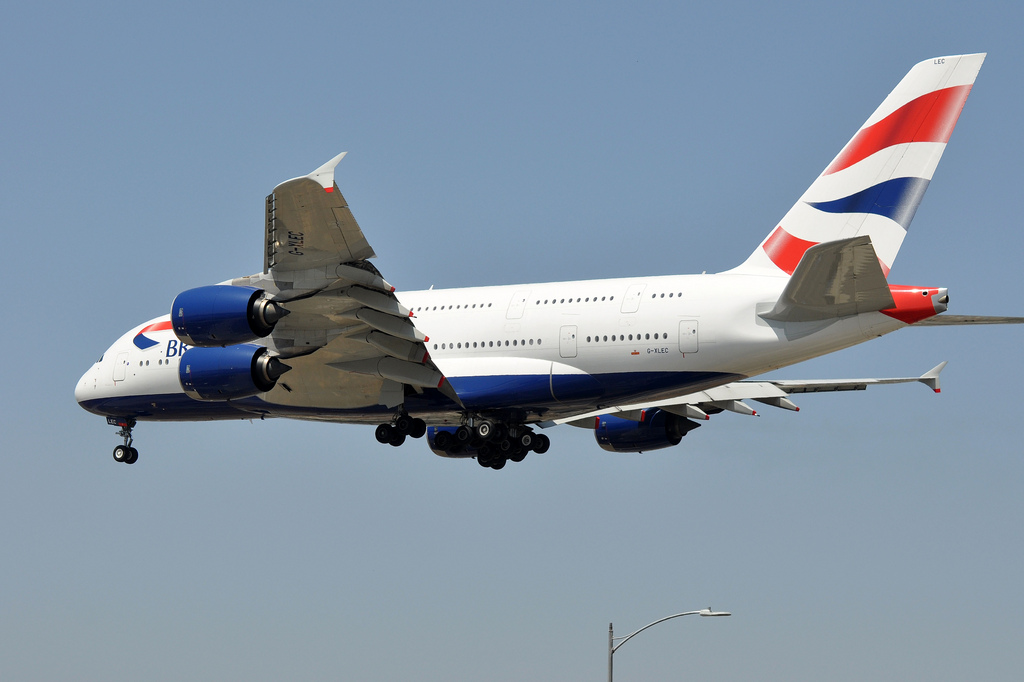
pixel 834 279
pixel 949 320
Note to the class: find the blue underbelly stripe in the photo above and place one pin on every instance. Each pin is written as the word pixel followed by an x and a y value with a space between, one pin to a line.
pixel 531 392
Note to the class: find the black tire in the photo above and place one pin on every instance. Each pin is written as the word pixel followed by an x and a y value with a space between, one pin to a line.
pixel 133 457
pixel 484 430
pixel 500 432
pixel 122 453
pixel 505 445
pixel 485 462
pixel 462 435
pixel 404 424
pixel 498 463
pixel 525 440
pixel 541 443
pixel 442 440
pixel 517 455
pixel 397 439
pixel 418 428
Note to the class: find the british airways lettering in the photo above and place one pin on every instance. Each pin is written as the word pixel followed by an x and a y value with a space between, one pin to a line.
pixel 175 347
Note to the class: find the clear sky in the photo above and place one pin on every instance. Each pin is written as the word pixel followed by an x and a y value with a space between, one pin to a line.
pixel 874 535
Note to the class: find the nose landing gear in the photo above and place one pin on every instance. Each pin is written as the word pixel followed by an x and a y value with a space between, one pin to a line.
pixel 124 453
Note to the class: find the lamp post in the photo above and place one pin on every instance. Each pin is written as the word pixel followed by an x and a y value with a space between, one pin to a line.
pixel 613 647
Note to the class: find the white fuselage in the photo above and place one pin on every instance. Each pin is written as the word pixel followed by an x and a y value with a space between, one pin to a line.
pixel 547 350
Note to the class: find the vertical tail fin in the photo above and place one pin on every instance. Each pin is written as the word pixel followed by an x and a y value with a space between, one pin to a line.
pixel 875 184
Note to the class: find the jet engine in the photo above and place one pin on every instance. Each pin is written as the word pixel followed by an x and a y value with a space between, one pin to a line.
pixel 222 315
pixel 230 372
pixel 657 429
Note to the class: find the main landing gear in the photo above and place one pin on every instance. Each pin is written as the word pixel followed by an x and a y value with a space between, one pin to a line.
pixel 505 444
pixel 494 444
pixel 402 426
pixel 124 453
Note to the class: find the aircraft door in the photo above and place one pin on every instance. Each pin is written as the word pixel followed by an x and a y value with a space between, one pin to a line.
pixel 631 301
pixel 517 305
pixel 121 366
pixel 688 341
pixel 567 341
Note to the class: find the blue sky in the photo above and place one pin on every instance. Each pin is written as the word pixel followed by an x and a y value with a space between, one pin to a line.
pixel 872 535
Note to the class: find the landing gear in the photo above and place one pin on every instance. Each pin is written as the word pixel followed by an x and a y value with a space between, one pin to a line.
pixel 396 432
pixel 541 443
pixel 484 430
pixel 504 443
pixel 493 440
pixel 124 453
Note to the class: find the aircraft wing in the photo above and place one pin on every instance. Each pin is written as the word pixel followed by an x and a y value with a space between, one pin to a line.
pixel 730 397
pixel 345 336
pixel 309 224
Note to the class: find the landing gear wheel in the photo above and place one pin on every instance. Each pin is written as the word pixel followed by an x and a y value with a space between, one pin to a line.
pixel 384 433
pixel 122 453
pixel 463 435
pixel 541 443
pixel 418 428
pixel 404 424
pixel 397 439
pixel 517 455
pixel 498 463
pixel 525 440
pixel 483 461
pixel 484 430
pixel 133 457
pixel 442 440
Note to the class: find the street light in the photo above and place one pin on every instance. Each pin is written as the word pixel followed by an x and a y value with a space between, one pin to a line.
pixel 613 647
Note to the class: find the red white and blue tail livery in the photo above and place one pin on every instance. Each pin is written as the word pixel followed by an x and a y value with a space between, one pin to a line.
pixel 875 184
pixel 319 334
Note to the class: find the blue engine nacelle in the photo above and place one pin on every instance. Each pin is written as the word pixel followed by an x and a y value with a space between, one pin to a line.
pixel 229 372
pixel 222 315
pixel 658 429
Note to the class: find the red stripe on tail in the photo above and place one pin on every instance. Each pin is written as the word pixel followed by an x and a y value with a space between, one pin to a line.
pixel 785 250
pixel 929 118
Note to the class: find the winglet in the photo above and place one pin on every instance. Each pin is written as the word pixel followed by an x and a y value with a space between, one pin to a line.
pixel 931 377
pixel 325 173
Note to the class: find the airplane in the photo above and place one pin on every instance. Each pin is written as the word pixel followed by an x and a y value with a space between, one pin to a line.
pixel 320 335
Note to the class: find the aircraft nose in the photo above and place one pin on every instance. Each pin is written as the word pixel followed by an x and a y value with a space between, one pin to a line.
pixel 85 386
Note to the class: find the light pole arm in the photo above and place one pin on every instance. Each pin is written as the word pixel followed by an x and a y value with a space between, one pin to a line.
pixel 613 647
pixel 649 625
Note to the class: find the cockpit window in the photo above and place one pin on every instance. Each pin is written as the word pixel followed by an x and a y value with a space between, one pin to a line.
pixel 101 359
